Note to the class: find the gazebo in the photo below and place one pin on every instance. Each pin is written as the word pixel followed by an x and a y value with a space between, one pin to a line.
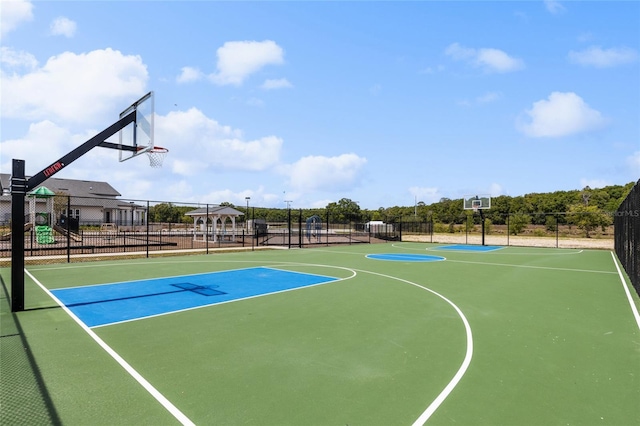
pixel 213 220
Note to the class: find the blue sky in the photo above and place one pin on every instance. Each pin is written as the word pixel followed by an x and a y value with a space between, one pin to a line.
pixel 384 103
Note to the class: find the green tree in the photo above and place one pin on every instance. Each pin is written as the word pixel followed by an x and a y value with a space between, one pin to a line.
pixel 60 203
pixel 517 222
pixel 587 218
pixel 168 213
pixel 551 223
pixel 162 212
pixel 488 226
pixel 344 211
pixel 469 222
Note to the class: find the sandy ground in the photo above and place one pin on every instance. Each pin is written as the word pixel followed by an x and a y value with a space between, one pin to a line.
pixel 502 240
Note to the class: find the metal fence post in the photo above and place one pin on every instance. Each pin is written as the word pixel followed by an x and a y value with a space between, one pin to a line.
pixel 68 227
pixel 147 216
pixel 18 190
pixel 206 230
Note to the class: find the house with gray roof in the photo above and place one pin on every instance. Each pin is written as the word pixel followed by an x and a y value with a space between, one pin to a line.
pixel 88 202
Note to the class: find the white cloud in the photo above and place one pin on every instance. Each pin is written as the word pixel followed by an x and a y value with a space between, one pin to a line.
pixel 13 14
pixel 255 102
pixel 554 7
pixel 562 114
pixel 489 59
pixel 198 143
pixel 200 150
pixel 427 195
pixel 44 142
pixel 237 60
pixel 432 70
pixel 281 83
pixel 604 58
pixel 585 37
pixel 79 88
pixel 13 61
pixel 488 97
pixel 63 26
pixel 459 52
pixel 498 61
pixel 326 173
pixel 496 190
pixel 189 74
pixel 594 183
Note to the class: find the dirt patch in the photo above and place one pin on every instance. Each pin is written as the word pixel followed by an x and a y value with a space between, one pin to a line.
pixel 503 240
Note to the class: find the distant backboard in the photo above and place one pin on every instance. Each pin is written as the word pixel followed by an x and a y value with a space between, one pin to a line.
pixel 477 202
pixel 137 138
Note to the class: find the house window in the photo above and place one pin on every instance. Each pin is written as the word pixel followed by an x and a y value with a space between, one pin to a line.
pixel 73 213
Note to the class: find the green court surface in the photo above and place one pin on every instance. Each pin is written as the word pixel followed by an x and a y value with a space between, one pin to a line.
pixel 515 336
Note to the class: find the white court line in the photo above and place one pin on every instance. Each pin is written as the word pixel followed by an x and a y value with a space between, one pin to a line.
pixel 193 308
pixel 634 309
pixel 532 267
pixel 428 412
pixel 537 252
pixel 124 364
pixel 435 404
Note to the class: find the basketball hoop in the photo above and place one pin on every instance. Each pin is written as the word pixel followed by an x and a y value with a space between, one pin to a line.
pixel 475 208
pixel 156 156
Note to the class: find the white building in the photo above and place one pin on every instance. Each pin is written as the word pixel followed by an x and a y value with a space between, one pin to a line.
pixel 90 203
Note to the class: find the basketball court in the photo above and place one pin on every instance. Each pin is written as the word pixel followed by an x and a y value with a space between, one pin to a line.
pixel 332 336
pixel 383 334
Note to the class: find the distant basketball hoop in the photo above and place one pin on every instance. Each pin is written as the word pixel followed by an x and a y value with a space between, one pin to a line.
pixel 477 203
pixel 156 156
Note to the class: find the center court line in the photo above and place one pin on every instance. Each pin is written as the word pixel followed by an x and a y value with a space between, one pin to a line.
pixel 183 419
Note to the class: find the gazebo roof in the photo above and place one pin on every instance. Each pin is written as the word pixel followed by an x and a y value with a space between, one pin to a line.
pixel 215 211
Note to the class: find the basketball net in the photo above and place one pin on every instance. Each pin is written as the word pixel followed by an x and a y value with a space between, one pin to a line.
pixel 156 156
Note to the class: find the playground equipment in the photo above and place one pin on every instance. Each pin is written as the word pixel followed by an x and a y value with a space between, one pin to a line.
pixel 7 236
pixel 44 235
pixel 314 228
pixel 61 230
pixel 42 220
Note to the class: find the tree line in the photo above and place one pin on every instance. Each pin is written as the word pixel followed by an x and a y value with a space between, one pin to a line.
pixel 552 208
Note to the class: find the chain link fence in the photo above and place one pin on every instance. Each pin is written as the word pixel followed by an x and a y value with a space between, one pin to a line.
pixel 65 228
pixel 581 229
pixel 627 235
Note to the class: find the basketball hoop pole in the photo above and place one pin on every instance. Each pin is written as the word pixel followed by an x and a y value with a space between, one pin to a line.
pixel 20 186
pixel 482 221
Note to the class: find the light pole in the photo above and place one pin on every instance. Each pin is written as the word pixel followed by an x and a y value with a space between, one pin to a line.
pixel 289 220
pixel 246 217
